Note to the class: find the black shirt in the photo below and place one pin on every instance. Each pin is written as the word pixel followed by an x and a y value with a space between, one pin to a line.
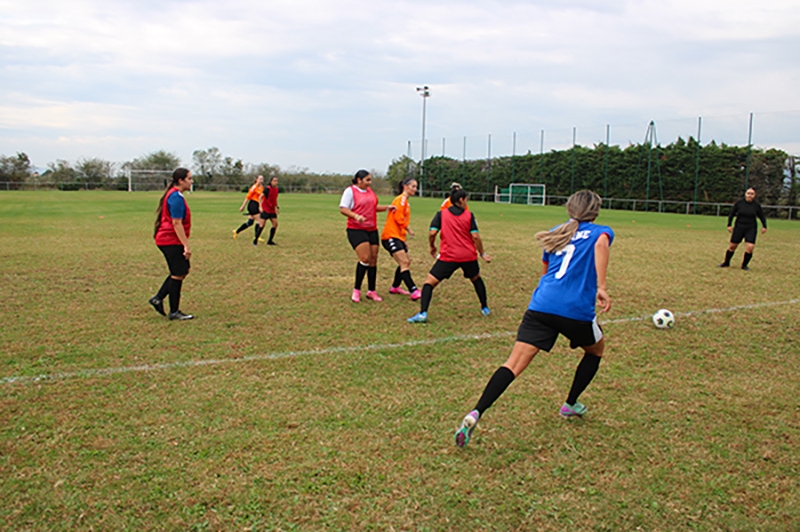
pixel 746 213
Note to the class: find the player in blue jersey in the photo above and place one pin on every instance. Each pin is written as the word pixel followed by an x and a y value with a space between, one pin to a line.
pixel 575 262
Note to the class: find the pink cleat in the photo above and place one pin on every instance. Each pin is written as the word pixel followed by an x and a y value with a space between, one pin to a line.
pixel 398 290
pixel 373 295
pixel 416 294
pixel 356 297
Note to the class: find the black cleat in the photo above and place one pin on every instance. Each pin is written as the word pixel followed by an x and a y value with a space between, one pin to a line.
pixel 158 304
pixel 271 243
pixel 178 315
pixel 746 268
pixel 723 265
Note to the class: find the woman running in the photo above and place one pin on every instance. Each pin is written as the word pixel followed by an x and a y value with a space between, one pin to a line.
pixel 746 227
pixel 393 239
pixel 251 201
pixel 172 227
pixel 269 210
pixel 360 205
pixel 575 262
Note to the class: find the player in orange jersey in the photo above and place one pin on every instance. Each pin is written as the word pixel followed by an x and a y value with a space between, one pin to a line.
pixel 447 203
pixel 252 202
pixel 393 239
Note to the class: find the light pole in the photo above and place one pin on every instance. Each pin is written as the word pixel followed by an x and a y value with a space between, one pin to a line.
pixel 425 92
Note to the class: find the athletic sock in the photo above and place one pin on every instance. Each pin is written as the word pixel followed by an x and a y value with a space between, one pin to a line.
pixel 746 260
pixel 174 294
pixel 728 257
pixel 398 277
pixel 480 289
pixel 361 270
pixel 372 277
pixel 427 295
pixel 258 233
pixel 501 379
pixel 583 376
pixel 244 226
pixel 164 290
pixel 406 277
pixel 272 233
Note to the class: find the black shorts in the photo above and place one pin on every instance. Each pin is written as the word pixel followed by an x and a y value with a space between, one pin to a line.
pixel 178 264
pixel 443 270
pixel 359 236
pixel 393 245
pixel 252 208
pixel 268 215
pixel 748 234
pixel 541 330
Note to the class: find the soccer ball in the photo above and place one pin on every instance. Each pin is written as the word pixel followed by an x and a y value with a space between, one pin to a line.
pixel 664 319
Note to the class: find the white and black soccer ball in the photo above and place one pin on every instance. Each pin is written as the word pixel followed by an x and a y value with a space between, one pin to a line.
pixel 664 319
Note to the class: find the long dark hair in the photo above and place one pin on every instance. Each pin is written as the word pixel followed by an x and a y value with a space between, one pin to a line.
pixel 457 196
pixel 404 183
pixel 178 175
pixel 361 174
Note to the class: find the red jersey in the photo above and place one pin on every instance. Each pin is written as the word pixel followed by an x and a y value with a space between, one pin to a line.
pixel 269 201
pixel 457 244
pixel 365 203
pixel 166 235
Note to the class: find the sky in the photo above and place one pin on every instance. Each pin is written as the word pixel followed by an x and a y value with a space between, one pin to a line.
pixel 330 86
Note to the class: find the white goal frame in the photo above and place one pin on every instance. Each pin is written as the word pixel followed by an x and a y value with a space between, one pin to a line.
pixel 522 193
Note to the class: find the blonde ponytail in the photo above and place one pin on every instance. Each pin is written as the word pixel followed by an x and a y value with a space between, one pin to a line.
pixel 583 206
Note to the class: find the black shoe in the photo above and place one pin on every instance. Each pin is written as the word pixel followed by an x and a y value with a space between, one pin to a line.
pixel 158 304
pixel 746 268
pixel 178 315
pixel 724 265
pixel 271 243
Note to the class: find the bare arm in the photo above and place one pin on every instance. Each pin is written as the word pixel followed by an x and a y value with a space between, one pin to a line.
pixel 432 241
pixel 177 224
pixel 601 254
pixel 476 239
pixel 350 214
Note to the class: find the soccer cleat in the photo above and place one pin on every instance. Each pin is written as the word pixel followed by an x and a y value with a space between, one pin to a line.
pixel 178 315
pixel 398 290
pixel 746 268
pixel 261 239
pixel 485 311
pixel 271 243
pixel 416 294
pixel 373 295
pixel 419 317
pixel 578 409
pixel 356 297
pixel 235 234
pixel 467 426
pixel 158 304
pixel 724 265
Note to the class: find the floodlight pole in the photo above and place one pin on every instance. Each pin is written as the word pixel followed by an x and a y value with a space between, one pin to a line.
pixel 425 92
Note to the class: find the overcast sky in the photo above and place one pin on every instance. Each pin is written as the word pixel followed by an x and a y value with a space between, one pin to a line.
pixel 331 85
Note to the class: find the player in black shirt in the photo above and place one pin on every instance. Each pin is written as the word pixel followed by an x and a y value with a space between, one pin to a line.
pixel 745 211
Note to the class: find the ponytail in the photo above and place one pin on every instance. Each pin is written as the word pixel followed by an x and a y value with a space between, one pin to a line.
pixel 178 175
pixel 583 206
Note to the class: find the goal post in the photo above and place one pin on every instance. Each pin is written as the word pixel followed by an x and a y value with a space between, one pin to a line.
pixel 521 193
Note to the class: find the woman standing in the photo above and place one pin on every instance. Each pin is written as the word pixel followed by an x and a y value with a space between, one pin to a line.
pixel 360 205
pixel 393 239
pixel 269 211
pixel 251 201
pixel 172 227
pixel 746 227
pixel 575 262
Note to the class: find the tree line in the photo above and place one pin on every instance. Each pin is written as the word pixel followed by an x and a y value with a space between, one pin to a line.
pixel 681 171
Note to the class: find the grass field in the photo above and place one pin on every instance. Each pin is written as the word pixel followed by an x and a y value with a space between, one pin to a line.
pixel 283 406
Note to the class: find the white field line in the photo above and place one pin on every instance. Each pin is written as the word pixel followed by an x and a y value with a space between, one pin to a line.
pixel 372 347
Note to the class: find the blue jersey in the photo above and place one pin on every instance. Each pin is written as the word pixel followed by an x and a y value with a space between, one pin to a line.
pixel 569 287
pixel 177 206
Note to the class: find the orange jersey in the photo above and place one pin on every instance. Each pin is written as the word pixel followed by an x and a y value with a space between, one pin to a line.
pixel 397 222
pixel 446 204
pixel 255 192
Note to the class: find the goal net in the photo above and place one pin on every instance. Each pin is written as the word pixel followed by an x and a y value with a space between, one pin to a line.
pixel 522 193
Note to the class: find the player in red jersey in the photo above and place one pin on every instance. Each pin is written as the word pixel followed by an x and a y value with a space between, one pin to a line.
pixel 269 211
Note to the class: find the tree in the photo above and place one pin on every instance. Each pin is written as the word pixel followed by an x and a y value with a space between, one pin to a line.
pixel 15 170
pixel 207 164
pixel 157 160
pixel 399 169
pixel 95 171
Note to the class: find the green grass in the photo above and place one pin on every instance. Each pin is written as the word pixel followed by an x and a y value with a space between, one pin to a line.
pixel 350 428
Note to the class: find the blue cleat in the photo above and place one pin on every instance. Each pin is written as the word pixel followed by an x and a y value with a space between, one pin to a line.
pixel 419 317
pixel 485 311
pixel 578 409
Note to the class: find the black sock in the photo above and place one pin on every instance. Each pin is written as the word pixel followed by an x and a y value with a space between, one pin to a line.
pixel 244 226
pixel 258 234
pixel 360 271
pixel 746 260
pixel 406 276
pixel 480 289
pixel 728 257
pixel 583 376
pixel 501 379
pixel 397 278
pixel 164 290
pixel 272 233
pixel 372 277
pixel 174 294
pixel 427 295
